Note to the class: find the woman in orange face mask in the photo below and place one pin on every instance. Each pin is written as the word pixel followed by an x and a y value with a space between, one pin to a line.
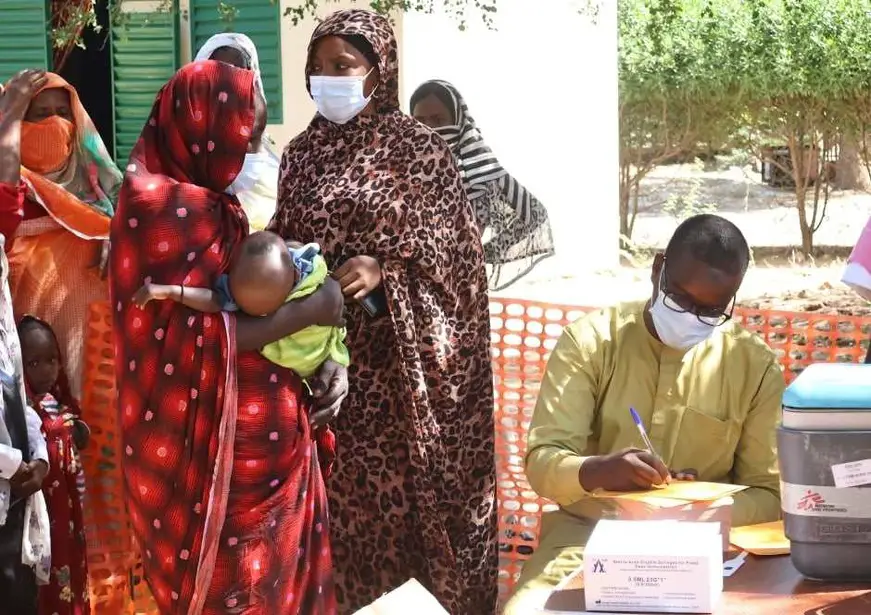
pixel 58 186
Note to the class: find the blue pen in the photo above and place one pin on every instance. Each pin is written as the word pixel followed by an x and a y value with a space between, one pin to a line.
pixel 643 432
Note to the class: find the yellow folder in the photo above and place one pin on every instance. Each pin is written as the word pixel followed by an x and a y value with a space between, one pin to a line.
pixel 761 539
pixel 679 490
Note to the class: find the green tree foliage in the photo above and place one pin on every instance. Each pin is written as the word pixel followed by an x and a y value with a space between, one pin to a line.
pixel 461 10
pixel 677 68
pixel 80 14
pixel 758 73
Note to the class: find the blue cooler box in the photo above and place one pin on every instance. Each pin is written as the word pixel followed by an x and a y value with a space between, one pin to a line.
pixel 826 422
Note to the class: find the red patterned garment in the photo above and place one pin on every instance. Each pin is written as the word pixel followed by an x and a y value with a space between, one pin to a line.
pixel 64 486
pixel 67 592
pixel 223 486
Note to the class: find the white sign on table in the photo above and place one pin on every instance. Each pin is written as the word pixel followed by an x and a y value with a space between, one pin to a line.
pixel 654 566
pixel 410 597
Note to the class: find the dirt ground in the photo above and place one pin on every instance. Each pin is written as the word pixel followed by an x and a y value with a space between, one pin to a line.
pixel 817 290
pixel 789 288
pixel 778 279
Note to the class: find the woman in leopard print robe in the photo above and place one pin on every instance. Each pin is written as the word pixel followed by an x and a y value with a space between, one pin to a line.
pixel 413 491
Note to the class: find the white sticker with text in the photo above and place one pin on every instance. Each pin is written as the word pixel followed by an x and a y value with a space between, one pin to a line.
pixel 852 474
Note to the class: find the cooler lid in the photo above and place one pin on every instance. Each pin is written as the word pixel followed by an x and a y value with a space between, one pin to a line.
pixel 837 386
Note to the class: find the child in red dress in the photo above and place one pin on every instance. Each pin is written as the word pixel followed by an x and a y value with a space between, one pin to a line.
pixel 65 433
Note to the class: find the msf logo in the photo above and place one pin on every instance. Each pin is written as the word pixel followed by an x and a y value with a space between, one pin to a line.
pixel 598 567
pixel 810 501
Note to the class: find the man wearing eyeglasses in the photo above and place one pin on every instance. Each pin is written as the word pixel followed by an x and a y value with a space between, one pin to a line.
pixel 707 391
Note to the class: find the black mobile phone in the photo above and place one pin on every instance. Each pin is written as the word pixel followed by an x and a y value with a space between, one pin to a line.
pixel 375 303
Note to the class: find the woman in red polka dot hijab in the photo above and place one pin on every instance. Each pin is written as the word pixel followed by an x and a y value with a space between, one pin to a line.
pixel 223 484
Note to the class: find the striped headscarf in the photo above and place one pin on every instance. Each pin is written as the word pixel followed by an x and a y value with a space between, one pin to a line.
pixel 519 228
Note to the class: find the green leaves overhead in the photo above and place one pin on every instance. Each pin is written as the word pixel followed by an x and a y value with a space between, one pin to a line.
pixel 700 75
pixel 756 49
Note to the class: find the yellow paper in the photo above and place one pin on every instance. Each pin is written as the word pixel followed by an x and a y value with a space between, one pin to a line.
pixel 685 491
pixel 762 539
pixel 652 499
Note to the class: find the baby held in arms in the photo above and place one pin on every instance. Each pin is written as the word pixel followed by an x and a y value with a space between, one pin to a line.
pixel 266 273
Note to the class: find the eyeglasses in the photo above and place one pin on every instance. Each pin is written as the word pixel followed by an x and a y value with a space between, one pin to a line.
pixel 682 304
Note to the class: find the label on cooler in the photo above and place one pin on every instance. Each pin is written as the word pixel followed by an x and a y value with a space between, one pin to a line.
pixel 852 474
pixel 816 501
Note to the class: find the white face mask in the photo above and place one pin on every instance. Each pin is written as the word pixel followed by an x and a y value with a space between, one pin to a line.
pixel 257 166
pixel 339 99
pixel 679 330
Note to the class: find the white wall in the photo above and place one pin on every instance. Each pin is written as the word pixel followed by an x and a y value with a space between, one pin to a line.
pixel 543 89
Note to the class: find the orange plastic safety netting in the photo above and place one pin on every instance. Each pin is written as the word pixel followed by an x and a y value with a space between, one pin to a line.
pixel 111 553
pixel 523 334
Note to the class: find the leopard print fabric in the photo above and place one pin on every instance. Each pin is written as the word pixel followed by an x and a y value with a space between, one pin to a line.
pixel 413 491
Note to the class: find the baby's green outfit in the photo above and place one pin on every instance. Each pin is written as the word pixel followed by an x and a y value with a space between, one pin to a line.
pixel 305 350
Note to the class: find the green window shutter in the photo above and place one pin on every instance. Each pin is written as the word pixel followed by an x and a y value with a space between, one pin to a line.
pixel 23 36
pixel 144 57
pixel 260 20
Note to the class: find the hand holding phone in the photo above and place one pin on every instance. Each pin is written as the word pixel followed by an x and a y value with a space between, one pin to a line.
pixel 375 303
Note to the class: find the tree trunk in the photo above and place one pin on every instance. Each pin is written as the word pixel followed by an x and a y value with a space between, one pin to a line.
pixel 805 162
pixel 625 196
pixel 851 173
pixel 807 234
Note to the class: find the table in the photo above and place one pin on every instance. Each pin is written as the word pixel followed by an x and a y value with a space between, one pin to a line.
pixel 762 586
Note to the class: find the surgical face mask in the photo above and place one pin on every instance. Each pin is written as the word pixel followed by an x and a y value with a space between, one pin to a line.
pixel 46 146
pixel 339 99
pixel 679 330
pixel 255 167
